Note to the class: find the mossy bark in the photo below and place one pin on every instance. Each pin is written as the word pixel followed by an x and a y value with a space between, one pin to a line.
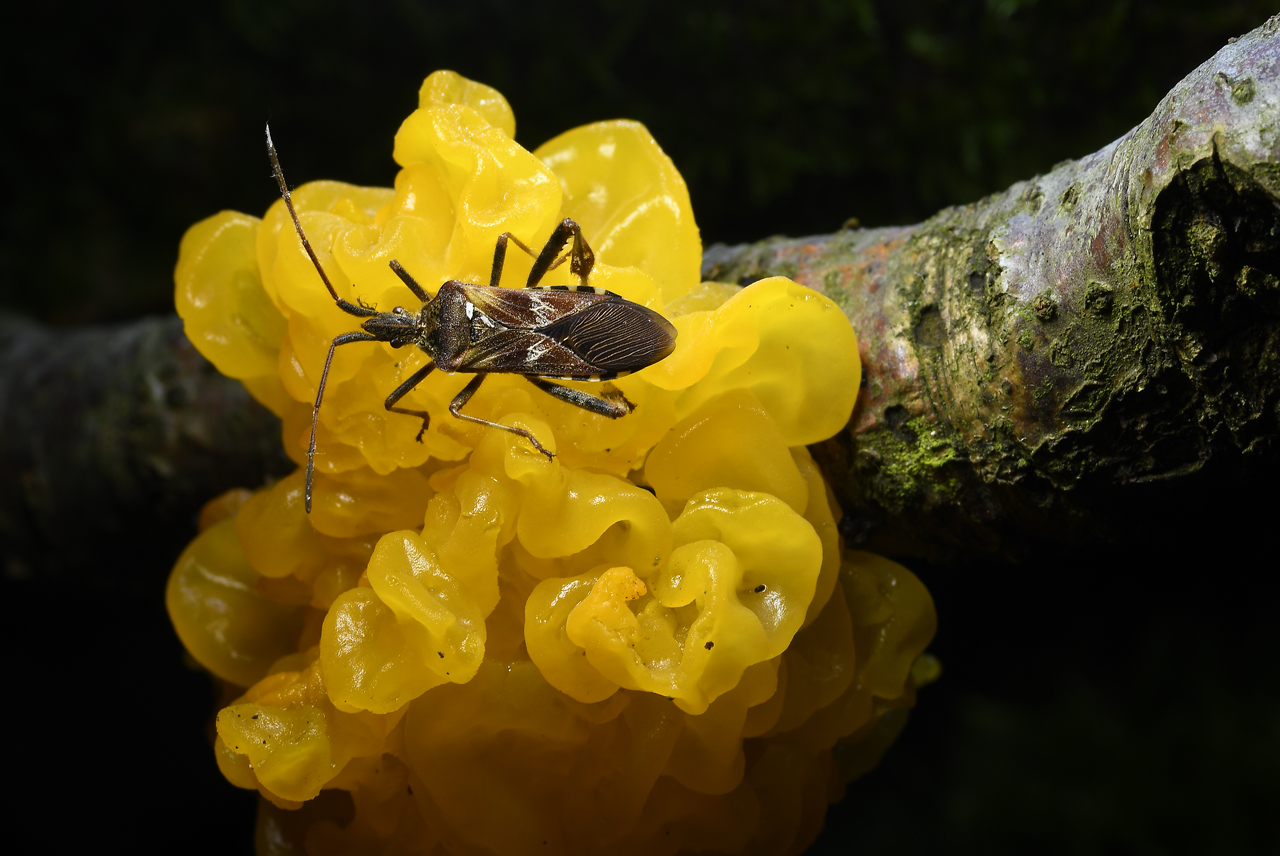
pixel 1114 322
pixel 1029 358
pixel 111 439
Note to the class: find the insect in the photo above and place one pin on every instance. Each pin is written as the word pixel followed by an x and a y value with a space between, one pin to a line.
pixel 545 333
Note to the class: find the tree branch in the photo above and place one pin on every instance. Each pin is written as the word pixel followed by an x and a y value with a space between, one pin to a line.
pixel 110 440
pixel 1030 358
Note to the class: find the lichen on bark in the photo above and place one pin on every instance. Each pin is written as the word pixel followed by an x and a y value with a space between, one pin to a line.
pixel 1112 322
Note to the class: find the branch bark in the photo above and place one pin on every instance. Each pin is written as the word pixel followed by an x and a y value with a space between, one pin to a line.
pixel 1030 358
pixel 111 438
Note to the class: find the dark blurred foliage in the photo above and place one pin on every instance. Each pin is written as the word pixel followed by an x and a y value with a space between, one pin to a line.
pixel 127 123
pixel 1095 700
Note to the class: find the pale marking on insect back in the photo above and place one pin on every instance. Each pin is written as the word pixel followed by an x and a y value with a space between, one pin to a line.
pixel 535 351
pixel 471 310
pixel 543 312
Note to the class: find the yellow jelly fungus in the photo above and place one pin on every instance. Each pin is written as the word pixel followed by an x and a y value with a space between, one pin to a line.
pixel 652 643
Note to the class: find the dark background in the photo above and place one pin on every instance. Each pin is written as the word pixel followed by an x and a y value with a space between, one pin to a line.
pixel 1095 699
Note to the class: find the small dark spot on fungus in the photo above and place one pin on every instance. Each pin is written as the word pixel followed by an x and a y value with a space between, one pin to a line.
pixel 1045 306
pixel 759 588
pixel 671 698
pixel 255 716
pixel 710 645
pixel 441 653
pixel 410 790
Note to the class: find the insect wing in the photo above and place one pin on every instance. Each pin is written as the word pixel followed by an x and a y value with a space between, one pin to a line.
pixel 532 308
pixel 525 352
pixel 591 335
pixel 615 335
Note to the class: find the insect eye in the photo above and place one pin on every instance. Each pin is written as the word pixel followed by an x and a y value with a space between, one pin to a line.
pixel 399 310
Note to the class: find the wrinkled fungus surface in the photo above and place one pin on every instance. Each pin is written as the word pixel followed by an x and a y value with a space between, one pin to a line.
pixel 653 643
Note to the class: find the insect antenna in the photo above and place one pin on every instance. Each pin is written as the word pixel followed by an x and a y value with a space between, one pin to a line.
pixel 293 214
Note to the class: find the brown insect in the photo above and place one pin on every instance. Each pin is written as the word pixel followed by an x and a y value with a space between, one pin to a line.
pixel 546 333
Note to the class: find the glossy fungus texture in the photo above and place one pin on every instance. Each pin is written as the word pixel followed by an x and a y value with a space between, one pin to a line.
pixel 651 643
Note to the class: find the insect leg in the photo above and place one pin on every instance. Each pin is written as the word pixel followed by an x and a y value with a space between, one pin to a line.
pixel 500 255
pixel 613 406
pixel 344 339
pixel 581 259
pixel 403 389
pixel 418 291
pixel 460 400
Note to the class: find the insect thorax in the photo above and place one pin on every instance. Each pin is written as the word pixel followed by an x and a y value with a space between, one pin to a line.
pixel 446 327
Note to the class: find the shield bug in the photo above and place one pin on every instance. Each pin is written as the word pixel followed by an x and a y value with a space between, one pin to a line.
pixel 546 333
